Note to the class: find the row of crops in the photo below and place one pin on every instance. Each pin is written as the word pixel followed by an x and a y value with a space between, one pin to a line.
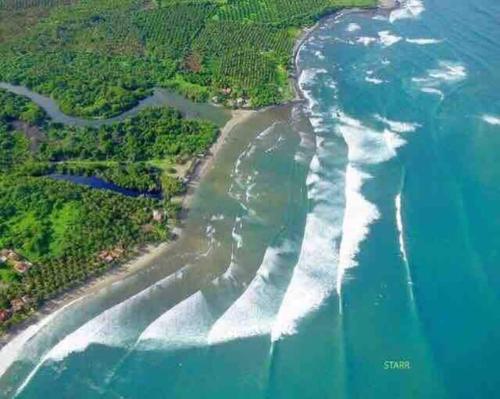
pixel 209 44
pixel 170 31
pixel 283 12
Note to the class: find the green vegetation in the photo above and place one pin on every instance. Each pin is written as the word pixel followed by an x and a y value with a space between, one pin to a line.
pixel 64 229
pixel 153 134
pixel 100 57
pixel 97 58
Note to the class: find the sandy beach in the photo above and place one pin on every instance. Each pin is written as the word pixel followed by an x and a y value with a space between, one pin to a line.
pixel 146 255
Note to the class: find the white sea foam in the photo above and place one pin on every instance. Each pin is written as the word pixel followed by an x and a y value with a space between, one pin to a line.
pixel 308 76
pixel 359 214
pixel 109 328
pixel 374 81
pixel 316 121
pixel 491 119
pixel 399 223
pixel 255 311
pixel 353 27
pixel 388 39
pixel 393 140
pixel 306 143
pixel 402 247
pixel 424 42
pixel 431 90
pixel 410 9
pixel 313 175
pixel 313 278
pixel 237 238
pixel 399 127
pixel 447 72
pixel 106 329
pixel 319 55
pixel 13 351
pixel 186 324
pixel 365 145
pixel 266 132
pixel 366 41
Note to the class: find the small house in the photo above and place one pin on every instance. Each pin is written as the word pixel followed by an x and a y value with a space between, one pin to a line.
pixel 21 267
pixel 158 215
pixel 17 305
pixel 12 256
pixel 4 315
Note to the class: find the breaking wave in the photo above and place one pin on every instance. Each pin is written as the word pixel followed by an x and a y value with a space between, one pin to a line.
pixel 254 312
pixel 491 119
pixel 431 90
pixel 374 81
pixel 399 127
pixel 399 223
pixel 111 328
pixel 402 246
pixel 366 40
pixel 186 324
pixel 423 42
pixel 313 279
pixel 447 72
pixel 353 27
pixel 410 9
pixel 388 39
pixel 13 351
pixel 359 215
pixel 365 145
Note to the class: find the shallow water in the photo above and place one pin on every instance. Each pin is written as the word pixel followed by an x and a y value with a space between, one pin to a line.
pixel 328 240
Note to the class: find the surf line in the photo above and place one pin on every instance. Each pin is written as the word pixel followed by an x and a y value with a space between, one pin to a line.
pixel 401 232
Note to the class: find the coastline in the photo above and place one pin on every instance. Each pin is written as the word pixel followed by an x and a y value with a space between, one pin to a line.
pixel 200 168
pixel 385 5
pixel 146 254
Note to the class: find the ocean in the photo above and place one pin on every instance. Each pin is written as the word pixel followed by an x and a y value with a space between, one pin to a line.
pixel 342 247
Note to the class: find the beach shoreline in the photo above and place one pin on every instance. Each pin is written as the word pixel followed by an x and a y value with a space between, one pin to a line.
pixel 384 5
pixel 145 254
pixel 202 166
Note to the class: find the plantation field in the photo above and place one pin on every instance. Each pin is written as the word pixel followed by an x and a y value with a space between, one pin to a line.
pixel 98 58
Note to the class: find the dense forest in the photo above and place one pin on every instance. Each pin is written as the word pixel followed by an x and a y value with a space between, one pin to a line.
pixel 100 57
pixel 55 234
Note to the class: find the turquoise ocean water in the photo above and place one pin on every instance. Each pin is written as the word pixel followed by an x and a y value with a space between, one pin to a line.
pixel 331 239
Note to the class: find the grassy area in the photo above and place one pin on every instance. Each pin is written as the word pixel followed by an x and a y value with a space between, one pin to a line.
pixel 100 57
